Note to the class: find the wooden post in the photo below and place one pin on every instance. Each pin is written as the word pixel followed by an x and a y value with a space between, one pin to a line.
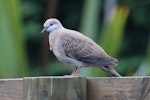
pixel 11 89
pixel 55 88
pixel 122 88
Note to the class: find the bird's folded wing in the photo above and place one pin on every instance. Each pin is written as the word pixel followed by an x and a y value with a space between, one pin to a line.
pixel 84 49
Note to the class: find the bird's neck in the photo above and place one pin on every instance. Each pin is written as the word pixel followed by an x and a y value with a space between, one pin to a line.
pixel 56 30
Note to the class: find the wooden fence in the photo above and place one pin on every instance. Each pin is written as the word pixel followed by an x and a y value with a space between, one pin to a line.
pixel 75 88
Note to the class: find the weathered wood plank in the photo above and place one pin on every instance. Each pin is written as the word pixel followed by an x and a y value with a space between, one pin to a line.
pixel 30 88
pixel 124 88
pixel 11 89
pixel 75 88
pixel 55 88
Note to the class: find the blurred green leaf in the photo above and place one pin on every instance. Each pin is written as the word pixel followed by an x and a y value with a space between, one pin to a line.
pixel 112 33
pixel 144 68
pixel 90 18
pixel 13 59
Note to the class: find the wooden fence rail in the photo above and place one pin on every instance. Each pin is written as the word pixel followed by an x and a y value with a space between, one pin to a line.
pixel 75 88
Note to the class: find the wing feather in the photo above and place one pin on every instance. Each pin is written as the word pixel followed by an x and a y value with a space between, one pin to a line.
pixel 82 48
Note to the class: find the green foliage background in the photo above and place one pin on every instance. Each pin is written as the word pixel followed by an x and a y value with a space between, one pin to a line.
pixel 24 51
pixel 13 62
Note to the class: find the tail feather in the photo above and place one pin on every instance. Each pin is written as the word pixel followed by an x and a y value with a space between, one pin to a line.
pixel 111 71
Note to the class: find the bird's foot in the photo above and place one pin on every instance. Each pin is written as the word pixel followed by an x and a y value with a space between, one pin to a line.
pixel 74 74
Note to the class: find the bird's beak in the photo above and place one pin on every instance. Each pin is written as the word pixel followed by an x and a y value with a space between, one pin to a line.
pixel 44 30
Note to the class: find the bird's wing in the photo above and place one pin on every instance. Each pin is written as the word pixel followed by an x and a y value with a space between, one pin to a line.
pixel 80 47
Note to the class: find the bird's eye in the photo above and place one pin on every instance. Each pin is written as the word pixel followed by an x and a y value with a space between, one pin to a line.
pixel 51 24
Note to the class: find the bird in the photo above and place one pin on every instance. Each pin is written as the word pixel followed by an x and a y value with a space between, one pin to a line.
pixel 73 48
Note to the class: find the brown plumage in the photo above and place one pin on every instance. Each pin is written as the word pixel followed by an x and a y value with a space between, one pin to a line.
pixel 74 48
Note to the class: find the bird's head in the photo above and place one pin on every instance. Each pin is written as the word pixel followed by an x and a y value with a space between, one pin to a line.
pixel 51 25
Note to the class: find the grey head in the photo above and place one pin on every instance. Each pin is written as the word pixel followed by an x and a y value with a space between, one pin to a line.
pixel 51 25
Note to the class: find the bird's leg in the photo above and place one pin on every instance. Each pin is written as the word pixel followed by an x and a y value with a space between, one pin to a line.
pixel 76 71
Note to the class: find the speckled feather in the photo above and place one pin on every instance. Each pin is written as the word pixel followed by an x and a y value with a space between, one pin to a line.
pixel 82 48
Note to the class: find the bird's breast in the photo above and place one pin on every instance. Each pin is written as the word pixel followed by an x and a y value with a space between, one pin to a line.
pixel 52 38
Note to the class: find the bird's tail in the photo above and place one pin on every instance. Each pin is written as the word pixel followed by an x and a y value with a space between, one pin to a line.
pixel 111 71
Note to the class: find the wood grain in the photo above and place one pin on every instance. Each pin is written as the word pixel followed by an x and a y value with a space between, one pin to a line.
pixel 124 88
pixel 11 89
pixel 55 88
